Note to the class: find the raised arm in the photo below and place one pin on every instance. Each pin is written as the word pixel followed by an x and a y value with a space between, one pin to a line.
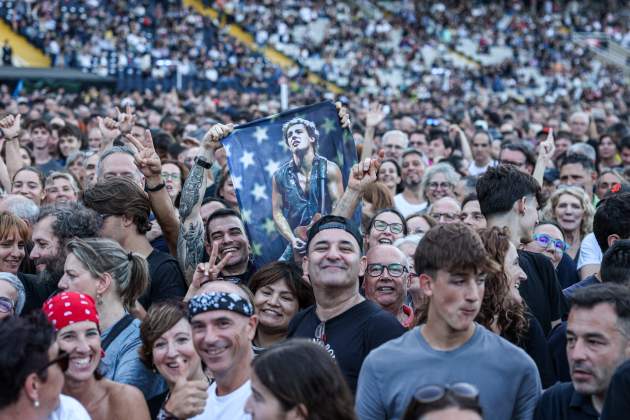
pixel 190 239
pixel 546 150
pixel 149 164
pixel 463 140
pixel 372 119
pixel 11 131
pixel 361 175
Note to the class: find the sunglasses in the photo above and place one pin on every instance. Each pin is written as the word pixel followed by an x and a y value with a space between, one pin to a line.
pixel 394 228
pixel 432 393
pixel 6 305
pixel 62 360
pixel 320 333
pixel 545 240
pixel 394 269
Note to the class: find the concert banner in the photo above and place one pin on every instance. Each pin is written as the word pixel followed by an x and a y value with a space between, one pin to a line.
pixel 288 170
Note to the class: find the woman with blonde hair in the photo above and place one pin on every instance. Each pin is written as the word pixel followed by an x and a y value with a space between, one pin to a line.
pixel 571 208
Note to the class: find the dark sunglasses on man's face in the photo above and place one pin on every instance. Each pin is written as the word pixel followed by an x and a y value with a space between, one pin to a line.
pixel 6 305
pixel 62 360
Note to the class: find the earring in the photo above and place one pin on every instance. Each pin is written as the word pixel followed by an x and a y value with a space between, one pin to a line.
pixel 99 299
pixel 36 403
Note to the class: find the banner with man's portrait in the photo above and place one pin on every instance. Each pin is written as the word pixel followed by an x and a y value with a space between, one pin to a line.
pixel 287 170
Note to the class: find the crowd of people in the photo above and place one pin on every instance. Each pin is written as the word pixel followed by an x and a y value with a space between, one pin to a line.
pixel 489 276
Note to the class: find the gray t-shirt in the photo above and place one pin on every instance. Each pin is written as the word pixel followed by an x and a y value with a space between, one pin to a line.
pixel 507 379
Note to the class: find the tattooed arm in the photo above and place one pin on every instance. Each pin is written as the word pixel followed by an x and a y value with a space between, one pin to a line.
pixel 190 241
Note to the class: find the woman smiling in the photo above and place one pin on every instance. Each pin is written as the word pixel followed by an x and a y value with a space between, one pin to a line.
pixel 279 293
pixel 76 321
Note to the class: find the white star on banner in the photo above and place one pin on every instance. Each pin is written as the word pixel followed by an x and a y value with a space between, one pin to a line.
pixel 284 146
pixel 246 214
pixel 237 181
pixel 272 167
pixel 269 226
pixel 259 192
pixel 247 159
pixel 227 150
pixel 260 135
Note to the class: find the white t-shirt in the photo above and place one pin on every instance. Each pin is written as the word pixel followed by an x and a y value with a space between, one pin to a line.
pixel 407 208
pixel 474 170
pixel 226 407
pixel 69 409
pixel 590 252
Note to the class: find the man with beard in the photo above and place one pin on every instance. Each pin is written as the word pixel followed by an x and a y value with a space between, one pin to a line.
pixel 56 225
pixel 598 341
pixel 411 200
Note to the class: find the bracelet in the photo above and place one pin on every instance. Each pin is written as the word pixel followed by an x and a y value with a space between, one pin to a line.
pixel 202 162
pixel 158 187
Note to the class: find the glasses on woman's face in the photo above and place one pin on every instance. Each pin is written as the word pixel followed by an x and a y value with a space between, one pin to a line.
pixel 7 306
pixel 394 228
pixel 440 185
pixel 394 269
pixel 545 240
pixel 432 393
pixel 62 360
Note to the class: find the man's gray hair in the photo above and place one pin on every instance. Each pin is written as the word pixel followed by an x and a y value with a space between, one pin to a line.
pixel 396 133
pixel 113 150
pixel 72 220
pixel 18 286
pixel 22 207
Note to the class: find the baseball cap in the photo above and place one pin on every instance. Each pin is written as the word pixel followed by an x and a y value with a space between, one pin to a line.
pixel 335 222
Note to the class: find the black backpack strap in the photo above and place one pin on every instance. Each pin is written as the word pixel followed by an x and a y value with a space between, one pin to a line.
pixel 116 330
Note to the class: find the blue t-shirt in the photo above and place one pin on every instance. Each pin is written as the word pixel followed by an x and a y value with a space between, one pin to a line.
pixel 507 378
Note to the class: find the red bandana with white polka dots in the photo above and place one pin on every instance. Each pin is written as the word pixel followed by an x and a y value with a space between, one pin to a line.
pixel 69 308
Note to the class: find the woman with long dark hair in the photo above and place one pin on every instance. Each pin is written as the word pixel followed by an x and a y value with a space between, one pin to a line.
pixel 298 379
pixel 503 310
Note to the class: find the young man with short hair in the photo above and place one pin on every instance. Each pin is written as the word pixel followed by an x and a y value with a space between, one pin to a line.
pixel 40 136
pixel 579 171
pixel 508 197
pixel 449 347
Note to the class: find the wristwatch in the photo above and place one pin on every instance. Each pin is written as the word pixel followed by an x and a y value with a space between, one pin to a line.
pixel 202 162
pixel 158 187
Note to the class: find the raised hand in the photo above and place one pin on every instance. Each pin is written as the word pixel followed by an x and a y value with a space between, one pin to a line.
pixel 344 117
pixel 211 270
pixel 364 173
pixel 147 160
pixel 109 129
pixel 547 148
pixel 187 399
pixel 11 126
pixel 125 120
pixel 375 115
pixel 212 139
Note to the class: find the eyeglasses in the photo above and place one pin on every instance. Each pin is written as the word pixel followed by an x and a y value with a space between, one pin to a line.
pixel 394 270
pixel 447 217
pixel 440 185
pixel 393 227
pixel 62 360
pixel 174 177
pixel 511 162
pixel 545 240
pixel 432 393
pixel 6 305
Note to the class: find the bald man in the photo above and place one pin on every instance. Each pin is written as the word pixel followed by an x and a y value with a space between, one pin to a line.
pixel 446 210
pixel 385 281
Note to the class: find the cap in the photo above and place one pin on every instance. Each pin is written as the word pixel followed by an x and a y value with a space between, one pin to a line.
pixel 335 222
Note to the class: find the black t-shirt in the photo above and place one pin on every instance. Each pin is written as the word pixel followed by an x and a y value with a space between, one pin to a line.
pixel 617 405
pixel 541 291
pixel 350 336
pixel 558 349
pixel 167 279
pixel 535 344
pixel 239 278
pixel 37 290
pixel 562 402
